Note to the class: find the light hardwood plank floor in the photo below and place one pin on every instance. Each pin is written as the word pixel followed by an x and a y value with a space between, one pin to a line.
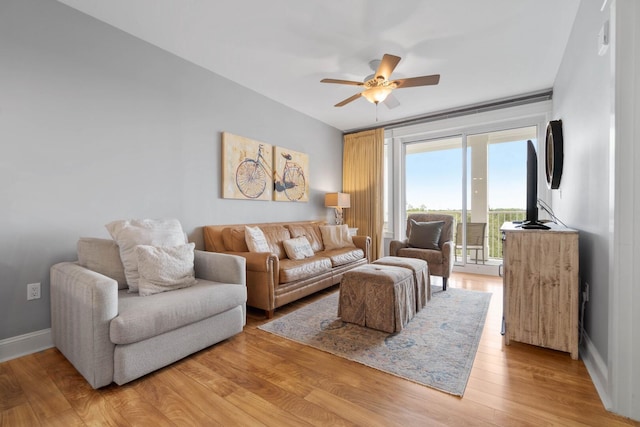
pixel 257 379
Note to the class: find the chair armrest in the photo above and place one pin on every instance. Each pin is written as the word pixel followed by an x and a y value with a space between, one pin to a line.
pixel 448 249
pixel 218 267
pixel 395 245
pixel 83 303
pixel 364 243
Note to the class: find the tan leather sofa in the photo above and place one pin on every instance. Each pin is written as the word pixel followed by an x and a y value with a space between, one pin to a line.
pixel 273 279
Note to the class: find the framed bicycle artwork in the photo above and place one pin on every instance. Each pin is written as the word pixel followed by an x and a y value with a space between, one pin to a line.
pixel 246 168
pixel 290 173
pixel 250 171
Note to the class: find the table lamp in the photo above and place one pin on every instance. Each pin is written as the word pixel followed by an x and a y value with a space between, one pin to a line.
pixel 337 201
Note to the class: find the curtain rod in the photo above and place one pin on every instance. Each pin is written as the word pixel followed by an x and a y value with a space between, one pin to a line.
pixel 528 98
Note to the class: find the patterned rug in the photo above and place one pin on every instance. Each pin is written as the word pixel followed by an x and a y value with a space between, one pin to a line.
pixel 435 349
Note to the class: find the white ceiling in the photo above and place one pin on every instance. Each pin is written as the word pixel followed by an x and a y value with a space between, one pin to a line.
pixel 483 49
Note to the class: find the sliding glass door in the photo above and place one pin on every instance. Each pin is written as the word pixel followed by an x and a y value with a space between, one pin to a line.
pixel 506 181
pixel 477 178
pixel 436 178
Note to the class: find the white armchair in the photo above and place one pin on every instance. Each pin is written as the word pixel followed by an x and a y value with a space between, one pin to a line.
pixel 112 335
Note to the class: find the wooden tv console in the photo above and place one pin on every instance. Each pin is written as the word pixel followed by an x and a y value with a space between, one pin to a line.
pixel 541 287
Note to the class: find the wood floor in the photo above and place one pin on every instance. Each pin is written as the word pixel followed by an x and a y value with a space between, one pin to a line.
pixel 257 379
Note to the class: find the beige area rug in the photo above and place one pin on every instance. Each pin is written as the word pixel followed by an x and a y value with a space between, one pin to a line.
pixel 436 348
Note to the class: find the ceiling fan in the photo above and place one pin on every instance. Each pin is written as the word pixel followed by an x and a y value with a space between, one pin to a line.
pixel 378 87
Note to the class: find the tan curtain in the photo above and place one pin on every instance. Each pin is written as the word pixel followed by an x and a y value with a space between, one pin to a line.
pixel 363 179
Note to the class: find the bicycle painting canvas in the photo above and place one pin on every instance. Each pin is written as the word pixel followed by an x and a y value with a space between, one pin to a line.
pixel 290 175
pixel 246 168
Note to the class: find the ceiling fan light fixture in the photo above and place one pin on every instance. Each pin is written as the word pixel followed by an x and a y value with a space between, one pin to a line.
pixel 377 87
pixel 377 94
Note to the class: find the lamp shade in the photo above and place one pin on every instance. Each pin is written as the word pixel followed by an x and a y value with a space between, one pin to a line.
pixel 337 200
pixel 377 94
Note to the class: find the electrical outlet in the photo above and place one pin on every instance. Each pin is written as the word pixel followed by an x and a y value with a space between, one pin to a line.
pixel 33 291
pixel 585 292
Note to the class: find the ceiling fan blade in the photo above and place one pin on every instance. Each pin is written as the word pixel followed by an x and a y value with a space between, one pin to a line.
pixel 348 100
pixel 418 81
pixel 391 101
pixel 387 65
pixel 342 82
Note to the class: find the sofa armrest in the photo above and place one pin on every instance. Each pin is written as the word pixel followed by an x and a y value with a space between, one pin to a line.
pixel 260 261
pixel 217 267
pixel 262 275
pixel 257 261
pixel 364 243
pixel 83 303
pixel 395 245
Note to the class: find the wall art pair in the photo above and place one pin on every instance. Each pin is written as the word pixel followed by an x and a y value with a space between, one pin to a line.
pixel 253 170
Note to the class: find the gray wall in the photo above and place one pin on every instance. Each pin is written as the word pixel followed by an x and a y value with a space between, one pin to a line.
pixel 96 125
pixel 582 99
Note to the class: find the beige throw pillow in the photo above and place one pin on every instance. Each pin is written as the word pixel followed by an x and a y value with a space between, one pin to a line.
pixel 336 237
pixel 165 269
pixel 256 242
pixel 311 232
pixel 130 233
pixel 298 248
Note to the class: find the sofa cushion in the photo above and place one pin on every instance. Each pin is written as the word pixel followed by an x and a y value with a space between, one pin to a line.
pixel 336 237
pixel 275 235
pixel 311 232
pixel 165 269
pixel 292 270
pixel 102 256
pixel 298 248
pixel 140 318
pixel 343 256
pixel 130 233
pixel 432 256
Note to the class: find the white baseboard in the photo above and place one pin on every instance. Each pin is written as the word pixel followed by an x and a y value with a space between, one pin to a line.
pixel 22 345
pixel 597 369
pixel 485 269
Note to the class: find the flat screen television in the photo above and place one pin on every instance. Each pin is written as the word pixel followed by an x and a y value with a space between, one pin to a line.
pixel 532 190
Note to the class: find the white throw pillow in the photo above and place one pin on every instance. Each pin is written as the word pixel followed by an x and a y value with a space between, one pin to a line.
pixel 336 237
pixel 256 241
pixel 130 233
pixel 298 248
pixel 164 269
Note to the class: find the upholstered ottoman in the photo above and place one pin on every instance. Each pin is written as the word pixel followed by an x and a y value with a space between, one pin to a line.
pixel 421 276
pixel 378 296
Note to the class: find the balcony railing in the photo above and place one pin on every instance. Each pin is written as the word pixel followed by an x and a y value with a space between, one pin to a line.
pixel 496 219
